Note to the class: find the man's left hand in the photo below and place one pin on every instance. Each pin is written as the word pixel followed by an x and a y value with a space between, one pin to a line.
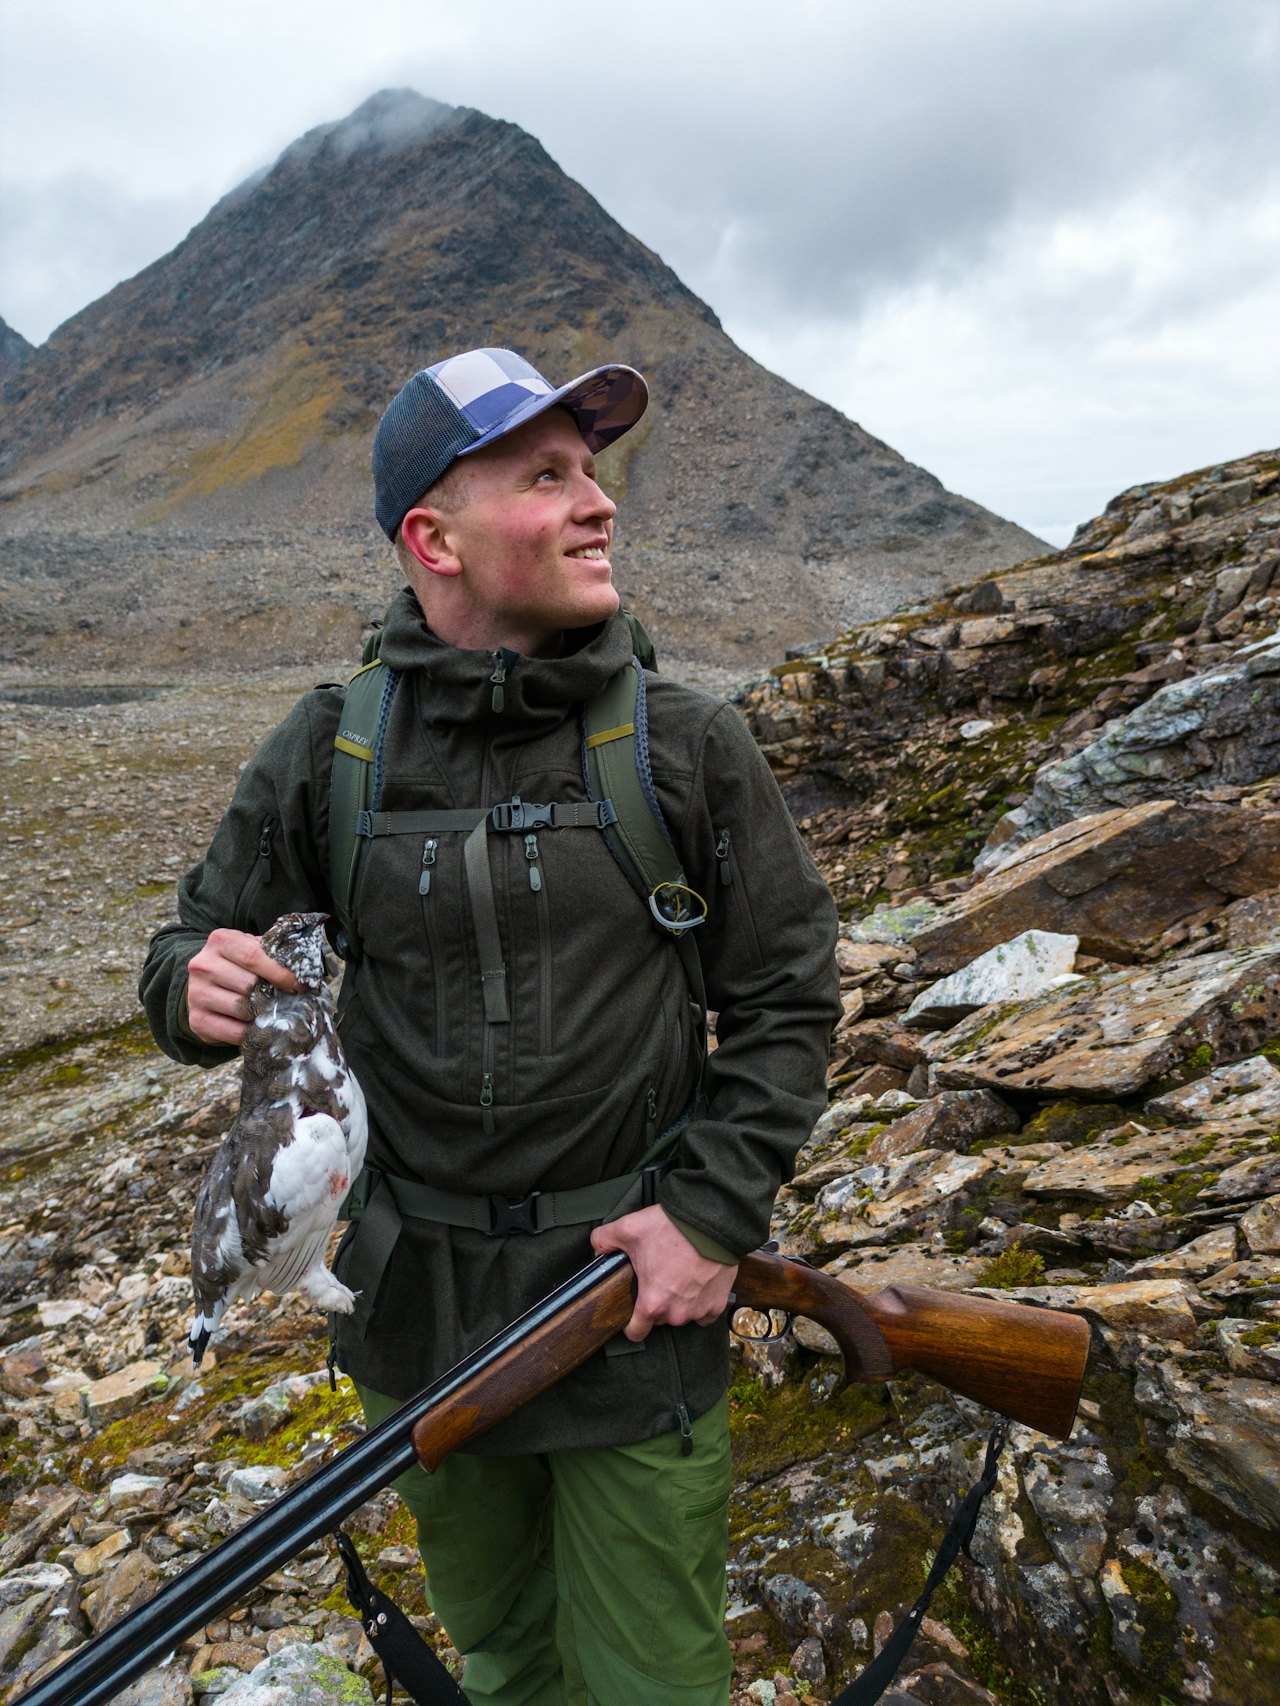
pixel 674 1284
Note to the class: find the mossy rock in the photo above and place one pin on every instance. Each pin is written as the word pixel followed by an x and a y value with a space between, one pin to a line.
pixel 1071 1122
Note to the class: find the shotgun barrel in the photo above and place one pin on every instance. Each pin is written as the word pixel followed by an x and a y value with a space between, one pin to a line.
pixel 1026 1363
pixel 110 1661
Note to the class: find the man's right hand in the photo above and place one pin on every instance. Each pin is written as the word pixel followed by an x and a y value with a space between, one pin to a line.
pixel 219 981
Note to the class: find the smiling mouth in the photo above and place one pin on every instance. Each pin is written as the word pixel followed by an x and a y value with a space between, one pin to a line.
pixel 596 552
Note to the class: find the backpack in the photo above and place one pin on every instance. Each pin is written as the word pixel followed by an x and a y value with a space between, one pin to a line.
pixel 622 804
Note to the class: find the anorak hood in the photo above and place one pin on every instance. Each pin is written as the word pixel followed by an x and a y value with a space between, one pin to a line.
pixel 534 690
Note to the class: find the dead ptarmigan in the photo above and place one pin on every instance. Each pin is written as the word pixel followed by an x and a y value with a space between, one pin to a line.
pixel 271 1196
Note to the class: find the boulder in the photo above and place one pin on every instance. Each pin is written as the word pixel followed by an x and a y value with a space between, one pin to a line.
pixel 1016 970
pixel 943 1177
pixel 1250 1347
pixel 133 1581
pixel 121 1393
pixel 954 1119
pixel 259 1417
pixel 259 1483
pixel 1158 1309
pixel 1260 1224
pixel 1132 1163
pixel 908 1264
pixel 1224 1435
pixel 798 1609
pixel 1070 1490
pixel 1111 1035
pixel 299 1676
pixel 1198 1256
pixel 892 924
pixel 1257 1176
pixel 1248 1089
pixel 39 1621
pixel 1238 1282
pixel 1117 879
pixel 1254 921
pixel 1218 727
pixel 166 1685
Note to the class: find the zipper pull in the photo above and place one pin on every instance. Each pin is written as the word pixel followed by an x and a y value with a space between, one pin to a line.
pixel 429 849
pixel 651 1113
pixel 486 1102
pixel 531 854
pixel 722 854
pixel 686 1430
pixel 499 675
pixel 264 847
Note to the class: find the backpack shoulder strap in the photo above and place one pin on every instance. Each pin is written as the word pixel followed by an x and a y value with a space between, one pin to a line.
pixel 616 765
pixel 352 790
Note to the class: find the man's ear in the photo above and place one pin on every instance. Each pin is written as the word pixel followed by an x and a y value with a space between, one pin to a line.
pixel 425 539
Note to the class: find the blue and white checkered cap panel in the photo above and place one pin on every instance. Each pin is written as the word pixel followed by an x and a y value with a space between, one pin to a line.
pixel 489 384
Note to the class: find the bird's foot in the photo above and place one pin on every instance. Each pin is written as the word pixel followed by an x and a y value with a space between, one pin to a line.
pixel 320 1287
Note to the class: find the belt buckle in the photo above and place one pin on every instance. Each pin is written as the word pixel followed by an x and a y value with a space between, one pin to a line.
pixel 513 1214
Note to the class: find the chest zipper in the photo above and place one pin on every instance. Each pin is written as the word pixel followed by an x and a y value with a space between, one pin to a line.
pixel 545 997
pixel 488 1119
pixel 430 849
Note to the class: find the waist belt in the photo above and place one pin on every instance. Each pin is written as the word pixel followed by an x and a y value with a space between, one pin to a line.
pixel 379 1203
pixel 496 1215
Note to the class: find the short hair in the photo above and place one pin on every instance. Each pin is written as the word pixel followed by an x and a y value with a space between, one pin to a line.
pixel 449 493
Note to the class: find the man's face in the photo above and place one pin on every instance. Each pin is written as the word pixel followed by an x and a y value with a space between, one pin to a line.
pixel 532 536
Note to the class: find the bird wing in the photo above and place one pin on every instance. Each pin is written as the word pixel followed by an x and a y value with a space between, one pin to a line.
pixel 310 1175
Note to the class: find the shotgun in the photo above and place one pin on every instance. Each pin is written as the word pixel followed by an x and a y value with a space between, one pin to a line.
pixel 1025 1363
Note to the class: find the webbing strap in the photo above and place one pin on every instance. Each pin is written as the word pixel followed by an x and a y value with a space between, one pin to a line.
pixel 495 1214
pixel 513 816
pixel 405 1656
pixel 484 918
pixel 373 824
pixel 620 733
pixel 867 1688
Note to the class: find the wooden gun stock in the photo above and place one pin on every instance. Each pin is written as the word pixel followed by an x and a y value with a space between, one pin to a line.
pixel 1024 1363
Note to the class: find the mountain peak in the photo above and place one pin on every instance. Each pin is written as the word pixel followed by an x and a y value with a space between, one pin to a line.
pixel 389 120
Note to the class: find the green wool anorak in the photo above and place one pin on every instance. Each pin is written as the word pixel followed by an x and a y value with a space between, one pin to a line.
pixel 601 1050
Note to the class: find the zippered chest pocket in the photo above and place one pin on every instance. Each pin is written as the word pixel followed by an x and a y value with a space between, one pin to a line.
pixel 431 920
pixel 734 891
pixel 260 874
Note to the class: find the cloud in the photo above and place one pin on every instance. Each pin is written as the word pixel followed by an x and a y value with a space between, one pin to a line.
pixel 1034 246
pixel 71 238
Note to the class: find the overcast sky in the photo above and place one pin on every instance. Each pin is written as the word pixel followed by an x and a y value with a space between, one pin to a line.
pixel 1034 244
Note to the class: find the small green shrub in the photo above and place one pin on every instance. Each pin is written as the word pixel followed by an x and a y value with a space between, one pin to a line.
pixel 1013 1267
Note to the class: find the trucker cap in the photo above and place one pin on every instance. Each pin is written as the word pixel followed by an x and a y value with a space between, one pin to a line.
pixel 468 401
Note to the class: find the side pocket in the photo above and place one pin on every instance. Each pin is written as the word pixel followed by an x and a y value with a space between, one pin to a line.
pixel 731 881
pixel 259 876
pixel 708 1507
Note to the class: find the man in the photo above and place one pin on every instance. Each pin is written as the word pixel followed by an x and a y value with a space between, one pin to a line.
pixel 526 1035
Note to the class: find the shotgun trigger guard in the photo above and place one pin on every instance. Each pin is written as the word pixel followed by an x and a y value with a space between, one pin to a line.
pixel 770 1338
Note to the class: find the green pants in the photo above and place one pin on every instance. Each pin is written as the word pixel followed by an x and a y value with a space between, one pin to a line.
pixel 593 1577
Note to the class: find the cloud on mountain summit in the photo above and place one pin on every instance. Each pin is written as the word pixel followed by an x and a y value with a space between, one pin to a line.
pixel 1063 219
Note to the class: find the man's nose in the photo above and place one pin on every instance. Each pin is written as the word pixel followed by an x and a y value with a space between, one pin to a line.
pixel 594 500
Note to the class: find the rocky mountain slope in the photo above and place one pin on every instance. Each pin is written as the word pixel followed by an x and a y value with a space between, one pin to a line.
pixel 185 463
pixel 1056 1080
pixel 14 349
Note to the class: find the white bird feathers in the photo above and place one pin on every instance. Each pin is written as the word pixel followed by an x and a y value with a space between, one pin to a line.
pixel 271 1196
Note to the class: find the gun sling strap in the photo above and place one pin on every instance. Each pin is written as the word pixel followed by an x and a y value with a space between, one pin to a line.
pixel 409 1661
